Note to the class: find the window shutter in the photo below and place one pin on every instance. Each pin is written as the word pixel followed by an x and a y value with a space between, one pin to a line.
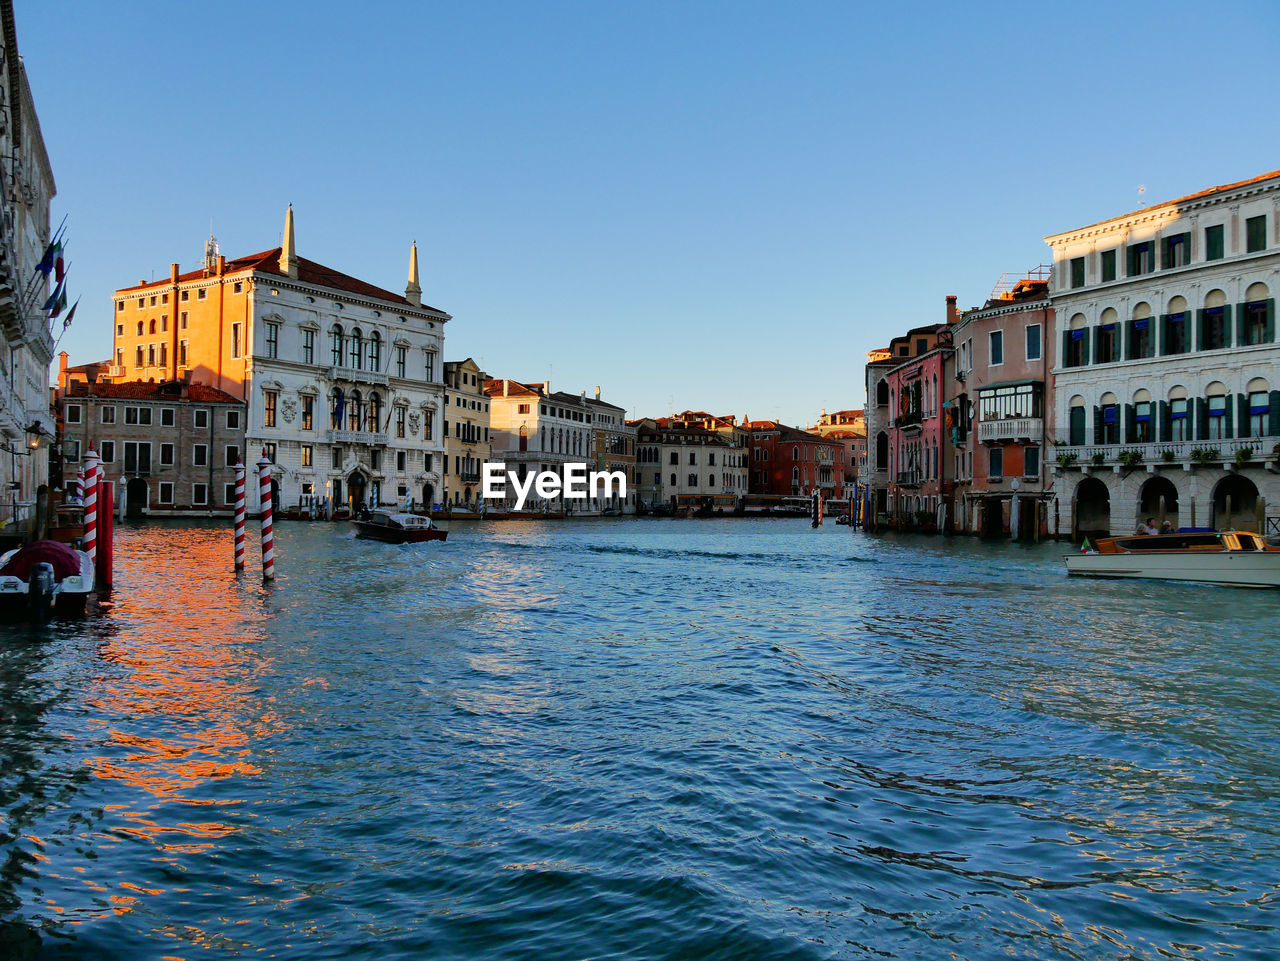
pixel 1097 425
pixel 1066 348
pixel 1131 260
pixel 1186 331
pixel 1130 423
pixel 1270 334
pixel 1242 405
pixel 1166 422
pixel 1273 415
pixel 1084 350
pixel 1129 333
pixel 1202 419
pixel 1096 334
pixel 1200 329
pixel 1240 330
pixel 1228 416
pixel 1227 339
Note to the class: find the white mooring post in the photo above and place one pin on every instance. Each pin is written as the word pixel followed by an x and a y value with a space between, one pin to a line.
pixel 268 542
pixel 239 521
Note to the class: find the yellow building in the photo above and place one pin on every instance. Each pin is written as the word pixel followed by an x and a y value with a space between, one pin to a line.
pixel 466 431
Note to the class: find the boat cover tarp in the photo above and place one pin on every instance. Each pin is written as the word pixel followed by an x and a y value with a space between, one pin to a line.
pixel 65 560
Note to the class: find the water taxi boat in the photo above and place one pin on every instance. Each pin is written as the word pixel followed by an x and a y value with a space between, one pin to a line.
pixel 398 528
pixel 44 578
pixel 1234 558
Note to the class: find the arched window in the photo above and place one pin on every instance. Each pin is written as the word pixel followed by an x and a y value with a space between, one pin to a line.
pixel 139 328
pixel 357 348
pixel 882 393
pixel 375 351
pixel 1258 316
pixel 335 409
pixel 374 421
pixel 1218 412
pixel 355 410
pixel 795 453
pixel 1259 403
pixel 335 342
pixel 1106 427
pixel 152 328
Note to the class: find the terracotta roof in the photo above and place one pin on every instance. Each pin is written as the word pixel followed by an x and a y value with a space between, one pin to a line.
pixel 493 387
pixel 309 272
pixel 170 390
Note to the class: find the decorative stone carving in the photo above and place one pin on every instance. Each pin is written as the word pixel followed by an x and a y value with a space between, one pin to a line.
pixel 289 410
pixel 415 420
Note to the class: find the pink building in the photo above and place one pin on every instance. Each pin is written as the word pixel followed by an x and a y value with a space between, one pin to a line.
pixel 920 487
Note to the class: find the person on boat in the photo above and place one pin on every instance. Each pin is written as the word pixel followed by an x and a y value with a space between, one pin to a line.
pixel 1166 527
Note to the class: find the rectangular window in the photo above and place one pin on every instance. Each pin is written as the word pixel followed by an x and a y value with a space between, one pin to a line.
pixel 235 340
pixel 1214 248
pixel 1031 462
pixel 1140 339
pixel 232 455
pixel 269 398
pixel 1108 265
pixel 1110 432
pixel 995 467
pixel 166 455
pixel 71 450
pixel 201 294
pixel 166 493
pixel 428 423
pixel 164 355
pixel 137 457
pixel 1213 329
pixel 308 346
pixel 199 492
pixel 120 306
pixel 109 415
pixel 273 340
pixel 1177 251
pixel 306 455
pixel 164 323
pixel 1142 259
pixel 337 458
pixel 269 451
pixel 400 461
pixel 200 418
pixel 182 353
pixel 997 348
pixel 229 494
pixel 401 360
pixel 151 355
pixel 200 455
pixel 1144 428
pixel 1218 418
pixel 183 318
pixel 108 452
pixel 1077 272
pixel 119 330
pixel 73 412
pixel 167 417
pixel 1173 338
pixel 1180 422
pixel 137 356
pixel 1255 234
pixel 1254 323
pixel 186 295
pixel 233 420
pixel 237 287
pixel 375 459
pixel 308 411
pixel 1033 342
pixel 1108 344
pixel 431 366
pixel 401 412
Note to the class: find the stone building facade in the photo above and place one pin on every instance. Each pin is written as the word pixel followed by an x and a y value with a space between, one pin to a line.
pixel 466 432
pixel 26 188
pixel 342 380
pixel 1167 365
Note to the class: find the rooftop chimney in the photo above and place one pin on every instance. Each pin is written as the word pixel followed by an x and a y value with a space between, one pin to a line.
pixel 597 391
pixel 952 313
pixel 173 273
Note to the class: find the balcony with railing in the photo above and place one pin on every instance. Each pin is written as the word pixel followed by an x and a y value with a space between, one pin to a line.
pixel 909 478
pixel 1183 454
pixel 1010 428
pixel 357 375
pixel 908 420
pixel 357 437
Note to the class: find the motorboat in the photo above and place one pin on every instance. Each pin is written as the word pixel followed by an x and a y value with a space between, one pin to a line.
pixel 1235 558
pixel 44 578
pixel 398 528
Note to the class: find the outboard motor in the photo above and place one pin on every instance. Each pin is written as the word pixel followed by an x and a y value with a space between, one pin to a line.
pixel 40 588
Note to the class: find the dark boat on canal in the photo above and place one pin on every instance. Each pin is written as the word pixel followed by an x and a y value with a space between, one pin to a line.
pixel 398 528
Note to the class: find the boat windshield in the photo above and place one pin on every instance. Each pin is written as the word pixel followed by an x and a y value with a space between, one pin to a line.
pixel 1171 542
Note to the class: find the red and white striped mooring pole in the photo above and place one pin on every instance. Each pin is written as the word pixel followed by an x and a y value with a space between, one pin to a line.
pixel 91 504
pixel 239 514
pixel 268 542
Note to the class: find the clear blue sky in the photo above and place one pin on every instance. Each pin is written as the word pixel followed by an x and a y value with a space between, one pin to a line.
pixel 708 205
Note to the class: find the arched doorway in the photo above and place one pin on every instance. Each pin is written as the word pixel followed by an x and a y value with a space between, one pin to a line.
pixel 1235 504
pixel 355 491
pixel 276 506
pixel 136 494
pixel 1092 509
pixel 1159 499
pixel 428 495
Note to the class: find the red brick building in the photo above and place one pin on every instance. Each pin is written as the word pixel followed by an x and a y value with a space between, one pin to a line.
pixel 787 461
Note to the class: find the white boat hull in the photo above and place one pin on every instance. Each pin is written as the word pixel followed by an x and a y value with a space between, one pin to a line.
pixel 1234 568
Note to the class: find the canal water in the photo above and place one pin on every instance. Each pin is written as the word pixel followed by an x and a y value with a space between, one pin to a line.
pixel 639 739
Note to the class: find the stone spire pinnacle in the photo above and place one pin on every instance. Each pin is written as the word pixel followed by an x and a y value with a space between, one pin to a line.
pixel 288 256
pixel 413 292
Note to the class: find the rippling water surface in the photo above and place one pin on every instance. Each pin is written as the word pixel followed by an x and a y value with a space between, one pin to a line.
pixel 639 739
